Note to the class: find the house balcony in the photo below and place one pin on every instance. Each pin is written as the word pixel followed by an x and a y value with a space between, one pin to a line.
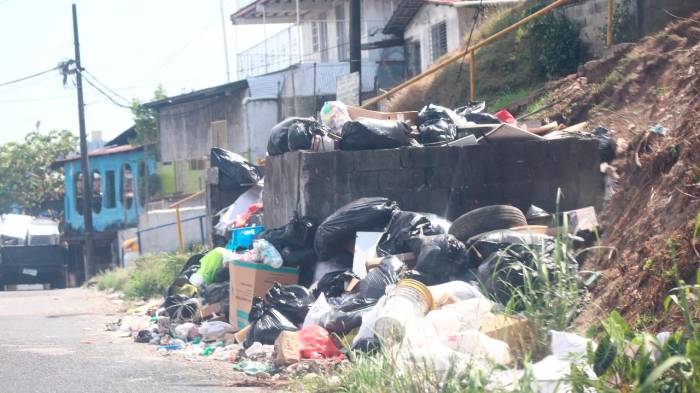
pixel 323 41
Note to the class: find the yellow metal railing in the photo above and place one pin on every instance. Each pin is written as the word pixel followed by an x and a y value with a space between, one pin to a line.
pixel 178 217
pixel 472 49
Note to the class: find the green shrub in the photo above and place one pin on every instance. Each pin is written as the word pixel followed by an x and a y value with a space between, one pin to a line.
pixel 113 279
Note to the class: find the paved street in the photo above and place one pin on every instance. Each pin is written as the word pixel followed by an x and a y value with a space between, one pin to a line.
pixel 54 341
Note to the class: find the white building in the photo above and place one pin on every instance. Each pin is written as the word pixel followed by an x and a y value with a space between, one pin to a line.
pixel 430 28
pixel 318 33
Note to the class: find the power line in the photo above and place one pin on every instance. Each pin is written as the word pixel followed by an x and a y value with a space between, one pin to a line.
pixel 103 93
pixel 105 86
pixel 29 77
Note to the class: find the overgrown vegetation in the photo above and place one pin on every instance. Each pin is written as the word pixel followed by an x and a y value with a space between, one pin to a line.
pixel 508 70
pixel 145 123
pixel 150 276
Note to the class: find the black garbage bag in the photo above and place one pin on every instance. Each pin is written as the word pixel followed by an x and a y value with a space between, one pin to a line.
pixel 482 246
pixel 294 241
pixel 266 324
pixel 471 107
pixel 143 337
pixel 301 133
pixel 333 284
pixel 372 134
pixel 435 131
pixel 440 257
pixel 364 214
pixel 418 276
pixel 279 135
pixel 368 345
pixel 482 118
pixel 234 170
pixel 192 265
pixel 537 216
pixel 503 270
pixel 431 113
pixel 403 227
pixel 607 145
pixel 181 308
pixel 375 282
pixel 293 301
pixel 216 293
pixel 222 275
pixel 347 315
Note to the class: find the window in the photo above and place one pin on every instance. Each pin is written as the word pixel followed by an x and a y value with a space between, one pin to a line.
pixel 96 191
pixel 219 134
pixel 341 32
pixel 110 190
pixel 126 186
pixel 319 37
pixel 413 58
pixel 142 190
pixel 198 164
pixel 78 190
pixel 438 39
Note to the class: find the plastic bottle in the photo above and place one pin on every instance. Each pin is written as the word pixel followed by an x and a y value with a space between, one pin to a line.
pixel 267 253
pixel 408 300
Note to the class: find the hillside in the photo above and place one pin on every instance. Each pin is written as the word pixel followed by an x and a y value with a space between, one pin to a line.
pixel 648 224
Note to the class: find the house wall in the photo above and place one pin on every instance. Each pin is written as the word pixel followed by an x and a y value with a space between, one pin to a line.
pixel 107 218
pixel 458 22
pixel 261 115
pixel 157 231
pixel 185 129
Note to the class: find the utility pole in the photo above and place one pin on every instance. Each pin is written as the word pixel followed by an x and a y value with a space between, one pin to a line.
pixel 223 30
pixel 356 37
pixel 88 261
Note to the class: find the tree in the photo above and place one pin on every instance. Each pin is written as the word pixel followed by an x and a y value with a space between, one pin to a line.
pixel 145 123
pixel 27 181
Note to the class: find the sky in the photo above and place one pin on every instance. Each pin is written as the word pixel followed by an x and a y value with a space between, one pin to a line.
pixel 130 46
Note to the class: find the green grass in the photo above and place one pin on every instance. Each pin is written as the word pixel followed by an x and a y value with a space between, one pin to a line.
pixel 151 275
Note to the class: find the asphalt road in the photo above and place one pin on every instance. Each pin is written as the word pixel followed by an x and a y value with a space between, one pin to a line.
pixel 54 341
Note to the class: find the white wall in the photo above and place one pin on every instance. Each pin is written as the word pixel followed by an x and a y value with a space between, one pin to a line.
pixel 261 116
pixel 166 238
pixel 458 22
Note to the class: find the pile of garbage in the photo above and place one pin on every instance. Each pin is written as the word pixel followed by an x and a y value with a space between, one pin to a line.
pixel 343 127
pixel 369 277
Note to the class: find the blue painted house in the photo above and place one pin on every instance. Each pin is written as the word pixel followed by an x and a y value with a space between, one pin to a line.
pixel 118 172
pixel 118 182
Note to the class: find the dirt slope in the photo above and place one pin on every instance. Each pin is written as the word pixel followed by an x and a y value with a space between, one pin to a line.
pixel 648 222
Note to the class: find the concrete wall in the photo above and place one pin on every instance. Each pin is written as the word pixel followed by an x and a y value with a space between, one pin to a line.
pixel 448 181
pixel 457 21
pixel 261 116
pixel 107 218
pixel 158 233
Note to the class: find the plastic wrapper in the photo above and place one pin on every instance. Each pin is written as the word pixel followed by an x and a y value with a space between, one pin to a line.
pixel 459 290
pixel 333 284
pixel 300 134
pixel 471 107
pixel 214 330
pixel 279 135
pixel 441 256
pixel 267 253
pixel 371 134
pixel 373 286
pixel 334 115
pixel 234 170
pixel 266 324
pixel 505 116
pixel 403 227
pixel 348 315
pixel 316 343
pixel 293 301
pixel 365 214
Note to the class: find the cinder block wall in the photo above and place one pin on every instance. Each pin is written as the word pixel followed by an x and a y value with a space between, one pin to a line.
pixel 447 181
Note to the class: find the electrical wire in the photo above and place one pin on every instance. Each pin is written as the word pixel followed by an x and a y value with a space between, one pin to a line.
pixel 479 11
pixel 105 86
pixel 103 92
pixel 29 77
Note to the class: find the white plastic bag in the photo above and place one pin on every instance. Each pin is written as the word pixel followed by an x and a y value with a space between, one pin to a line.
pixel 214 330
pixel 467 314
pixel 459 289
pixel 318 309
pixel 568 345
pixel 334 114
pixel 478 345
pixel 186 331
pixel 368 319
pixel 267 253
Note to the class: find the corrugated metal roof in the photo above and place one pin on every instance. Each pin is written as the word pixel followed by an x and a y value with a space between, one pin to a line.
pixel 103 151
pixel 326 77
pixel 265 86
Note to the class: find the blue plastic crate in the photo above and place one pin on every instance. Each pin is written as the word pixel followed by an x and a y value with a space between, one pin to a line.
pixel 243 237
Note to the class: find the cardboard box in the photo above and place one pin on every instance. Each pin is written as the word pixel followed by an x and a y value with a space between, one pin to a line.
pixel 249 280
pixel 516 332
pixel 210 309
